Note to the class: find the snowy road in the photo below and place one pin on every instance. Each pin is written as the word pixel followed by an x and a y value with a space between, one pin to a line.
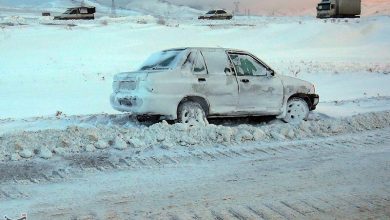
pixel 345 176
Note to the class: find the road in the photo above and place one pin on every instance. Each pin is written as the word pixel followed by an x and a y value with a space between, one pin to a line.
pixel 339 177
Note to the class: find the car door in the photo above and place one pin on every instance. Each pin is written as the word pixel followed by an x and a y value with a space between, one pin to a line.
pixel 215 81
pixel 221 14
pixel 259 90
pixel 83 13
pixel 73 14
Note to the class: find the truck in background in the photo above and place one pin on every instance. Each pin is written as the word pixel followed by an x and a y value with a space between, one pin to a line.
pixel 339 9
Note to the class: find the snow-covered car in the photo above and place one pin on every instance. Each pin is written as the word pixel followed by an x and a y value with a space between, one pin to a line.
pixel 193 84
pixel 217 14
pixel 78 13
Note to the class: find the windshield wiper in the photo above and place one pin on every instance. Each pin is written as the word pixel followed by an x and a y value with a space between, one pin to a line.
pixel 159 68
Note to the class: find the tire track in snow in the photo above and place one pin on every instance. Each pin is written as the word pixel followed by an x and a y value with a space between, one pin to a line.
pixel 47 171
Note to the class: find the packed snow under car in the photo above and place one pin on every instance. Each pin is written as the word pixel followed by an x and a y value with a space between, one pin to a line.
pixel 190 85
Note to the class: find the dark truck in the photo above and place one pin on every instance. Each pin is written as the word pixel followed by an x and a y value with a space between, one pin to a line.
pixel 339 8
pixel 78 13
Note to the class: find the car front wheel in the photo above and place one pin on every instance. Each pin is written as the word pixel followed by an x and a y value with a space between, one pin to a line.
pixel 191 113
pixel 297 110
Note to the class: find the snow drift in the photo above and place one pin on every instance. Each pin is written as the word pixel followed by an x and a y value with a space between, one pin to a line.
pixel 74 139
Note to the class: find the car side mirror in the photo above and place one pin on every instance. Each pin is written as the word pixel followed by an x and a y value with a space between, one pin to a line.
pixel 227 70
pixel 271 72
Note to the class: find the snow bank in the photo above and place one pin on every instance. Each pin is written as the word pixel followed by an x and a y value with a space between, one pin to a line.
pixel 53 142
pixel 72 72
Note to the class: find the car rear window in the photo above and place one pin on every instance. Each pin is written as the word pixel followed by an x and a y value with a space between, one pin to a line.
pixel 162 60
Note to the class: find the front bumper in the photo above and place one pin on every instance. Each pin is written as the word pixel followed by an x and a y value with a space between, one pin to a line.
pixel 314 100
pixel 125 103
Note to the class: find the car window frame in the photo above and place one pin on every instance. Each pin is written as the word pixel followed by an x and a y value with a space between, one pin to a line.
pixel 83 11
pixel 270 71
pixel 199 54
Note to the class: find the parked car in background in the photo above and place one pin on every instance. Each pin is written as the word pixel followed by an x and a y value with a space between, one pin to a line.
pixel 217 14
pixel 192 84
pixel 79 13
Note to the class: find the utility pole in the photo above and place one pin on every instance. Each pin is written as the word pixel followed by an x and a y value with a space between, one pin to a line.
pixel 237 7
pixel 113 9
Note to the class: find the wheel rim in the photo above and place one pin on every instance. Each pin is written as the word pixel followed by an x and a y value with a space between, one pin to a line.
pixel 192 116
pixel 296 111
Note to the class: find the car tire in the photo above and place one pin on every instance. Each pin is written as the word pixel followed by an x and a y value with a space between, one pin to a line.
pixel 191 113
pixel 297 110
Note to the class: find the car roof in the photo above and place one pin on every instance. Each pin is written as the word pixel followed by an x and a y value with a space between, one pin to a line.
pixel 207 48
pixel 82 7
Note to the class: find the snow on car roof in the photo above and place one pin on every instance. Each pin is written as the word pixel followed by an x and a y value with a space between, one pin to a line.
pixel 206 48
pixel 82 7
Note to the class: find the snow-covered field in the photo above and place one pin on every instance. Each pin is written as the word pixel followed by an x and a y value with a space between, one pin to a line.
pixel 59 75
pixel 50 68
pixel 56 119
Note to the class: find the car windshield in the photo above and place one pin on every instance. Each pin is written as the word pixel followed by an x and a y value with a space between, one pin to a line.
pixel 322 7
pixel 162 60
pixel 210 13
pixel 68 11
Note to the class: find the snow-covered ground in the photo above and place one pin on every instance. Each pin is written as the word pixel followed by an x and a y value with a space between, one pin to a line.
pixel 56 122
pixel 50 68
pixel 58 74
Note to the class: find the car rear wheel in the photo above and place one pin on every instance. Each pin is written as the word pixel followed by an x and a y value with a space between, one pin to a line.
pixel 191 113
pixel 297 110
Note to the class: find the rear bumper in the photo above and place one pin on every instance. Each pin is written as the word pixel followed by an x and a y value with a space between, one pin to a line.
pixel 165 106
pixel 314 100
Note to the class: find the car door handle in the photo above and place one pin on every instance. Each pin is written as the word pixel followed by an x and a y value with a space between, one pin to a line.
pixel 245 80
pixel 201 80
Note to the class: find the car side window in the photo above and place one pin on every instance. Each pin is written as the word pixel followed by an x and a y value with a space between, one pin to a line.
pixel 83 11
pixel 189 63
pixel 217 62
pixel 246 65
pixel 199 65
pixel 221 12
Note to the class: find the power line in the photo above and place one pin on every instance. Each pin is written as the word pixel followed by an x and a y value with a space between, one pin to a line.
pixel 113 9
pixel 237 7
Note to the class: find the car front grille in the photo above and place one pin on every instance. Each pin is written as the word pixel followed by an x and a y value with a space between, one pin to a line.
pixel 124 86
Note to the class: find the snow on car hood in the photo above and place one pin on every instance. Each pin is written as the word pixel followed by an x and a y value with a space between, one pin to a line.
pixel 292 84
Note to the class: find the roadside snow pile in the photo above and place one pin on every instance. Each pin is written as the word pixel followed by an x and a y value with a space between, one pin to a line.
pixel 13 20
pixel 47 143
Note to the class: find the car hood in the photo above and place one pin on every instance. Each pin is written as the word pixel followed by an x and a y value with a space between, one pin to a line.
pixel 295 85
pixel 131 76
